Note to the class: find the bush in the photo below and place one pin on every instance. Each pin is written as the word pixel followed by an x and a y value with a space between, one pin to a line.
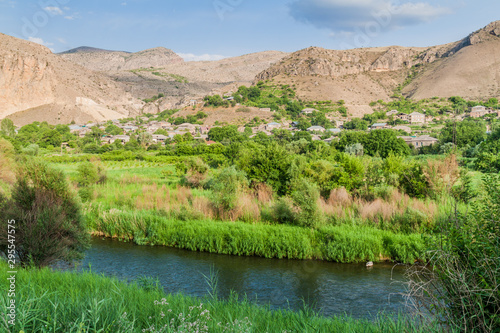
pixel 305 196
pixel 460 284
pixel 49 226
pixel 227 184
pixel 90 173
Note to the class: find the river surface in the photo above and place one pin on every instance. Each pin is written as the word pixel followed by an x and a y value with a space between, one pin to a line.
pixel 328 288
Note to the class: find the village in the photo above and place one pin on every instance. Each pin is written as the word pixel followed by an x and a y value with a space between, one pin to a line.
pixel 164 132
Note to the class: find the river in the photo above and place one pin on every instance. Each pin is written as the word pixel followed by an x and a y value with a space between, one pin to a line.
pixel 328 288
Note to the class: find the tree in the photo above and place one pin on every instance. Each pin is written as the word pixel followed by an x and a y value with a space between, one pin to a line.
pixel 467 132
pixel 113 130
pixel 7 127
pixel 384 142
pixel 219 134
pixel 356 124
pixel 48 221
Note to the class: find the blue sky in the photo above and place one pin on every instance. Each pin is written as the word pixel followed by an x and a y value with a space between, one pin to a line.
pixel 211 29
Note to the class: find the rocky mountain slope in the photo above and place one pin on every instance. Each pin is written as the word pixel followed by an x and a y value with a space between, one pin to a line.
pixel 160 71
pixel 38 85
pixel 468 68
pixel 104 60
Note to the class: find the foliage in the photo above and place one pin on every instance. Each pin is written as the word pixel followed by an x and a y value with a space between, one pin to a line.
pixel 49 225
pixel 227 184
pixel 305 196
pixel 90 173
pixel 464 133
pixel 460 284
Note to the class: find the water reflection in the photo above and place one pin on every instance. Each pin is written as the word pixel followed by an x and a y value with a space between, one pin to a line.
pixel 329 288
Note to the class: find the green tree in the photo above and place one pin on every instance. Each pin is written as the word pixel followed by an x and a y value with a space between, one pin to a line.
pixel 7 127
pixel 356 124
pixel 464 133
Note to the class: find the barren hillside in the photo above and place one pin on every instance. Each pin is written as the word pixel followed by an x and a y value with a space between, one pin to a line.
pixel 103 60
pixel 44 86
pixel 470 68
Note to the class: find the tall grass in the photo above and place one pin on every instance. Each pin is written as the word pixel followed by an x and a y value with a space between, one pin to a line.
pixel 69 302
pixel 344 243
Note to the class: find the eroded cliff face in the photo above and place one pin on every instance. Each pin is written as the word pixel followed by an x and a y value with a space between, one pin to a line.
pixel 118 61
pixel 31 77
pixel 317 61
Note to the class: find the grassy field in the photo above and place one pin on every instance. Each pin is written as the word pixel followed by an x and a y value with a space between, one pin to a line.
pixel 49 301
pixel 143 202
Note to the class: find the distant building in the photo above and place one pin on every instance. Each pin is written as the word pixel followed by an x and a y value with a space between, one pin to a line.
pixel 265 109
pixel 316 129
pixel 392 113
pixel 478 111
pixel 334 130
pixel 159 138
pixel 419 141
pixel 417 118
pixel 273 125
pixel 379 126
pixel 402 116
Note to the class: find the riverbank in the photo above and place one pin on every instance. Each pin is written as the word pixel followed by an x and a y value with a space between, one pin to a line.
pixel 85 302
pixel 344 243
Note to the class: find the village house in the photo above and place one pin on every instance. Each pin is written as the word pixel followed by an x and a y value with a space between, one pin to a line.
pixel 186 127
pixel 111 139
pixel 334 130
pixel 316 129
pixel 158 138
pixel 419 141
pixel 478 111
pixel 273 125
pixel 417 118
pixel 402 116
pixel 380 126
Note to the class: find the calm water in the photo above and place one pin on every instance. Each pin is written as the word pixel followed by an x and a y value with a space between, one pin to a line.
pixel 328 288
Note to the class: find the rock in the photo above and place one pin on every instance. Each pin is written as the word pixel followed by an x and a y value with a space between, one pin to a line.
pixel 369 264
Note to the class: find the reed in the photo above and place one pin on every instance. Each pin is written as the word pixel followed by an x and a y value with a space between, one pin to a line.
pixel 56 302
pixel 344 243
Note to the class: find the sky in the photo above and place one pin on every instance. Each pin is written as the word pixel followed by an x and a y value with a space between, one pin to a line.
pixel 214 29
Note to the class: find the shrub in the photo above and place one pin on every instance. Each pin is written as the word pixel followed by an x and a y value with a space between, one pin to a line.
pixel 226 186
pixel 49 225
pixel 305 196
pixel 460 283
pixel 90 173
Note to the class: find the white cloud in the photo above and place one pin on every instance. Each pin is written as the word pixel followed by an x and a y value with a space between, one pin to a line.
pixel 54 10
pixel 70 17
pixel 349 15
pixel 41 42
pixel 203 57
pixel 123 3
pixel 62 40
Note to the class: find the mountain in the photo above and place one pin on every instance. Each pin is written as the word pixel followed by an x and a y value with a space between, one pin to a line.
pixel 103 60
pixel 38 85
pixel 147 73
pixel 468 68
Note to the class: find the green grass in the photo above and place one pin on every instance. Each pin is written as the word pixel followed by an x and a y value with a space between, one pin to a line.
pixel 345 243
pixel 49 301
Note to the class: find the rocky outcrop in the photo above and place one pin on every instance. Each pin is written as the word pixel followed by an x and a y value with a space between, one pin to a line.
pixel 316 61
pixel 32 77
pixel 103 60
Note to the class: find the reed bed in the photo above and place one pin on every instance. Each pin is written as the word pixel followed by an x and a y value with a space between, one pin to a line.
pixel 50 301
pixel 344 243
